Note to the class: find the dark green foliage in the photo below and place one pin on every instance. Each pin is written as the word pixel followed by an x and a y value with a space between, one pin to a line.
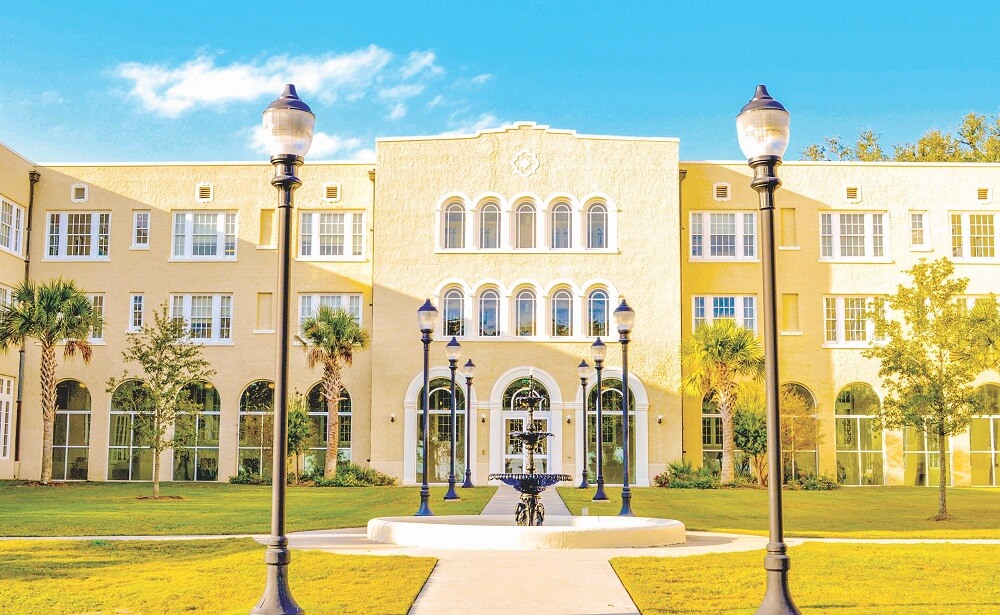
pixel 683 475
pixel 350 475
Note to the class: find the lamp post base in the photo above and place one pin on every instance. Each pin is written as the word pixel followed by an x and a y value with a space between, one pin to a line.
pixel 600 496
pixel 425 504
pixel 468 480
pixel 584 483
pixel 626 510
pixel 277 598
pixel 451 495
pixel 777 598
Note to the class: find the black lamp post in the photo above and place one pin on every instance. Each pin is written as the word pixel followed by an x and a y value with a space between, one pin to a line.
pixel 427 319
pixel 288 127
pixel 597 351
pixel 454 350
pixel 762 127
pixel 583 369
pixel 470 371
pixel 625 317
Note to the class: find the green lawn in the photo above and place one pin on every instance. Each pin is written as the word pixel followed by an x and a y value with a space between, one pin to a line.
pixel 206 576
pixel 841 579
pixel 868 512
pixel 101 509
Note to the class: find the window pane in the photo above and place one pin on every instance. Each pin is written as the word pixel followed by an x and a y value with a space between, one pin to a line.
pixel 204 234
pixel 722 238
pixel 852 235
pixel 597 222
pixel 562 314
pixel 489 313
pixel 561 222
pixel 489 228
pixel 525 227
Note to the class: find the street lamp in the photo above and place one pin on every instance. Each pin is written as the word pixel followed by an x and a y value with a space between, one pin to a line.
pixel 762 128
pixel 427 319
pixel 583 369
pixel 288 130
pixel 453 350
pixel 470 371
pixel 597 351
pixel 625 317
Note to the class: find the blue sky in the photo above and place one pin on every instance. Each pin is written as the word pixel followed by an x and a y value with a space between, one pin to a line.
pixel 103 81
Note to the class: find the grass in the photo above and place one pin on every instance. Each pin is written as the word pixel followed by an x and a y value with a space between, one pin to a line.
pixel 839 579
pixel 206 576
pixel 101 509
pixel 869 512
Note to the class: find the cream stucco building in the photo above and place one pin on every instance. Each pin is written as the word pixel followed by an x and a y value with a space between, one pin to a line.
pixel 525 238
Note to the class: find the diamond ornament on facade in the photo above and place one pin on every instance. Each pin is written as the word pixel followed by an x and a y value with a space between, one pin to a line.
pixel 525 163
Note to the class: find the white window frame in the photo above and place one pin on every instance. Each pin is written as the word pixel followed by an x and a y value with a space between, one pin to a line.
pixel 224 219
pixel 11 227
pixel 870 244
pixel 966 246
pixel 6 414
pixel 452 297
pixel 97 239
pixel 497 224
pixel 912 216
pixel 703 310
pixel 354 247
pixel 700 235
pixel 97 304
pixel 496 299
pixel 6 295
pixel 456 242
pixel 136 312
pixel 309 304
pixel 181 307
pixel 839 313
pixel 139 215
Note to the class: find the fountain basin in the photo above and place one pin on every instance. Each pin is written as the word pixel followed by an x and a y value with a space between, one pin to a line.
pixel 499 532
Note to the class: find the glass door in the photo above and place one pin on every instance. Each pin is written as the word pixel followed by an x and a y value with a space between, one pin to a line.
pixel 515 457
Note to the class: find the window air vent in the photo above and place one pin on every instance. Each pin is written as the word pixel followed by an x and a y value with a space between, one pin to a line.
pixel 331 192
pixel 982 194
pixel 720 192
pixel 205 193
pixel 78 193
pixel 852 193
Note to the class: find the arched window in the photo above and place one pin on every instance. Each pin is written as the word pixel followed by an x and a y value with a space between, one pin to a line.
pixel 256 428
pixel 516 390
pixel 562 314
pixel 597 313
pixel 454 226
pixel 984 434
pixel 597 226
pixel 524 310
pixel 711 434
pixel 439 416
pixel 71 435
pixel 562 223
pixel 196 433
pixel 612 455
pixel 315 455
pixel 489 313
pixel 489 227
pixel 454 313
pixel 524 226
pixel 859 444
pixel 129 454
pixel 515 421
pixel 799 431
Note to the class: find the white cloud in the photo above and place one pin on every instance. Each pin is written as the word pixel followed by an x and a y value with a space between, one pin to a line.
pixel 324 145
pixel 420 61
pixel 406 90
pixel 481 79
pixel 398 112
pixel 437 100
pixel 50 97
pixel 470 126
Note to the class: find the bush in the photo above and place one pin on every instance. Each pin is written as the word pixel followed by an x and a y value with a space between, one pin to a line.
pixel 350 475
pixel 811 482
pixel 245 478
pixel 683 475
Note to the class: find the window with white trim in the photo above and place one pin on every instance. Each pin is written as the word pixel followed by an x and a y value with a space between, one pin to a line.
pixel 331 234
pixel 597 226
pixel 918 230
pixel 97 303
pixel 741 309
pixel 973 235
pixel 598 310
pixel 6 412
pixel 79 235
pixel 724 235
pixel 349 302
pixel 453 233
pixel 846 321
pixel 562 225
pixel 489 227
pixel 562 314
pixel 6 295
pixel 11 227
pixel 140 229
pixel 135 312
pixel 454 313
pixel 852 236
pixel 209 318
pixel 524 226
pixel 204 235
pixel 524 313
pixel 489 313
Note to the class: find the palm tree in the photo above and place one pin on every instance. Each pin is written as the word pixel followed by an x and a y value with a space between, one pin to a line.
pixel 717 357
pixel 330 337
pixel 56 312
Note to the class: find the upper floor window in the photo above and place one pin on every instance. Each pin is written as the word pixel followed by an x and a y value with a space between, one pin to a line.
pixel 209 318
pixel 454 313
pixel 489 313
pixel 327 234
pixel 524 310
pixel 11 227
pixel 349 302
pixel 973 235
pixel 851 236
pixel 598 307
pixel 724 235
pixel 524 226
pixel 97 303
pixel 562 314
pixel 136 312
pixel 846 321
pixel 6 295
pixel 741 309
pixel 562 224
pixel 918 230
pixel 204 235
pixel 79 235
pixel 489 227
pixel 140 230
pixel 454 227
pixel 597 226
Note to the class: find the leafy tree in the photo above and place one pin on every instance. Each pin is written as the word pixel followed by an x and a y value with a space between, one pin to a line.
pixel 300 430
pixel 750 436
pixel 55 312
pixel 170 362
pixel 717 357
pixel 330 338
pixel 799 427
pixel 930 359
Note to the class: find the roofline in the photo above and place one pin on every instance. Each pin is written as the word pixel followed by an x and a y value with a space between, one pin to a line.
pixel 17 153
pixel 516 125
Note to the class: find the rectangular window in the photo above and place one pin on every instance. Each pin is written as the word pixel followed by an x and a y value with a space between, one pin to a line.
pixel 11 227
pixel 135 319
pixel 6 412
pixel 208 318
pixel 918 230
pixel 331 235
pixel 846 323
pixel 727 235
pixel 973 235
pixel 140 230
pixel 742 309
pixel 6 295
pixel 204 235
pixel 852 236
pixel 79 235
pixel 310 304
pixel 97 302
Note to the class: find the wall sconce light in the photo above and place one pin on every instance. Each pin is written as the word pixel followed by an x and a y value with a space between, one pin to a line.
pixel 392 417
pixel 569 419
pixel 659 419
pixel 482 419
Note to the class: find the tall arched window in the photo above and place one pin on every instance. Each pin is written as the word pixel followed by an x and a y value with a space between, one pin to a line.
pixel 71 435
pixel 562 223
pixel 439 416
pixel 454 313
pixel 197 434
pixel 129 454
pixel 799 431
pixel 454 226
pixel 489 227
pixel 597 313
pixel 524 226
pixel 859 444
pixel 515 421
pixel 984 435
pixel 562 313
pixel 489 313
pixel 597 226
pixel 524 313
pixel 612 455
pixel 256 428
pixel 315 454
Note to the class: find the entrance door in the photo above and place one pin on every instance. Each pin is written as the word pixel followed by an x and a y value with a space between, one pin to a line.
pixel 515 457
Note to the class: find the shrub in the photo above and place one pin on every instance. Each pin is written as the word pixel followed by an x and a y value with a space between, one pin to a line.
pixel 811 482
pixel 351 475
pixel 245 478
pixel 683 475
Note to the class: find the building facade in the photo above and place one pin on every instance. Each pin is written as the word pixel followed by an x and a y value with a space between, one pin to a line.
pixel 525 238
